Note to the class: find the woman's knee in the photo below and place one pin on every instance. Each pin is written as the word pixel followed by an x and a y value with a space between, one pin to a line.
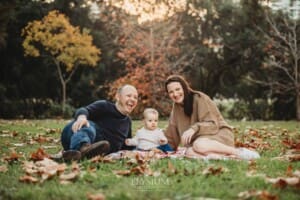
pixel 201 145
pixel 189 152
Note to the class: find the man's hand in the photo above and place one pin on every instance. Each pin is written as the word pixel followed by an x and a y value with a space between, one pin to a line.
pixel 187 136
pixel 79 123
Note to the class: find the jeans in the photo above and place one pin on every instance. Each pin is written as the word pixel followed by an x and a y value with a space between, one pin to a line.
pixel 73 141
pixel 165 148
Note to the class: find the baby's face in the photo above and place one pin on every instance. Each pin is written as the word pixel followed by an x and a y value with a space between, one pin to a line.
pixel 150 121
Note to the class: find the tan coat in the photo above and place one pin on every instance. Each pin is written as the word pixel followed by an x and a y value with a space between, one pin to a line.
pixel 206 120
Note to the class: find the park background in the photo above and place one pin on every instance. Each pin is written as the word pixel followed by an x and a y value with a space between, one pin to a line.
pixel 57 55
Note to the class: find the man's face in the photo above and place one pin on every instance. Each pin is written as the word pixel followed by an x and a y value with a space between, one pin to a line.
pixel 127 99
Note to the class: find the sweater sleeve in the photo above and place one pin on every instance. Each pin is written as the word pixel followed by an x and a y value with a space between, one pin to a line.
pixel 206 117
pixel 81 111
pixel 93 110
pixel 171 133
pixel 124 146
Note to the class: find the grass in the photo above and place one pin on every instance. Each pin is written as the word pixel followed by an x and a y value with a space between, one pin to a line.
pixel 177 179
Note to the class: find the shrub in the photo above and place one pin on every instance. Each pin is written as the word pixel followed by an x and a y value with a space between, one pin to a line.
pixel 234 108
pixel 34 108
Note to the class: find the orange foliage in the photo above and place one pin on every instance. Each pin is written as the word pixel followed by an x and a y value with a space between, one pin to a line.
pixel 147 52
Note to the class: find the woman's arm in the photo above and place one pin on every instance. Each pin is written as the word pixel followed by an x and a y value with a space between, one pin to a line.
pixel 205 117
pixel 171 133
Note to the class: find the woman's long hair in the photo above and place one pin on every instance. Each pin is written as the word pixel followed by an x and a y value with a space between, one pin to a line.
pixel 187 91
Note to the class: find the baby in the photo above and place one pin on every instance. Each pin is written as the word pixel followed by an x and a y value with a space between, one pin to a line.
pixel 150 136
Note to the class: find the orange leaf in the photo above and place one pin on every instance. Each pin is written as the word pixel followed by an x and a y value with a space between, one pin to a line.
pixel 98 196
pixel 14 156
pixel 40 154
pixel 3 168
pixel 28 179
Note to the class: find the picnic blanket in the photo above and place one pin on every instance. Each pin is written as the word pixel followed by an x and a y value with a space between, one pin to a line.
pixel 156 154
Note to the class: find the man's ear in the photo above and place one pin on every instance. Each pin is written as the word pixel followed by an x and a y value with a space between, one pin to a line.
pixel 117 96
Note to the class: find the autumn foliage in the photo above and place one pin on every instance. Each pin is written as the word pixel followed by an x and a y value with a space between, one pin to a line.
pixel 147 53
pixel 64 44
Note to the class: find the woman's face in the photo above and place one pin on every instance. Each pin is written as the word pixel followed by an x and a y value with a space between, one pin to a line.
pixel 175 92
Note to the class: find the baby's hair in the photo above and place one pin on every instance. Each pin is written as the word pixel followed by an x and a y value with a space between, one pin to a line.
pixel 150 110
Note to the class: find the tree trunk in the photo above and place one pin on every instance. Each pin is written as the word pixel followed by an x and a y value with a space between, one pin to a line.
pixel 63 85
pixel 152 46
pixel 64 96
pixel 298 105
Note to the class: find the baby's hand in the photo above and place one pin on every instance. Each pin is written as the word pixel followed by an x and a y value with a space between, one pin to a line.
pixel 127 141
pixel 162 141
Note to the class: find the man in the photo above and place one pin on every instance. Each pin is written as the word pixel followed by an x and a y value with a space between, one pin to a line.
pixel 101 127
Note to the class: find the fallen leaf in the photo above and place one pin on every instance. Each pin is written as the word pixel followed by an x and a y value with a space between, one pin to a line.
pixel 70 176
pixel 18 144
pixel 28 179
pixel 45 169
pixel 101 159
pixel 40 154
pixel 263 195
pixel 122 172
pixel 98 196
pixel 214 170
pixel 14 156
pixel 3 168
pixel 282 182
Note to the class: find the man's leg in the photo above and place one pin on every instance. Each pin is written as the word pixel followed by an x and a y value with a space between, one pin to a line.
pixel 72 142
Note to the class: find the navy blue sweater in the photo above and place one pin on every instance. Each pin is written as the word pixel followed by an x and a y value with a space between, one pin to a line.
pixel 113 126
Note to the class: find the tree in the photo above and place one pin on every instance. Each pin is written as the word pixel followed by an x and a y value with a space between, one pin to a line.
pixel 55 38
pixel 6 8
pixel 147 40
pixel 282 46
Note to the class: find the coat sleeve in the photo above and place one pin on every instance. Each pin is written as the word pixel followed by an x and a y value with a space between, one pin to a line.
pixel 206 117
pixel 171 133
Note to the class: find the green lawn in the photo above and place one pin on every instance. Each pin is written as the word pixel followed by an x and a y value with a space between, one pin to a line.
pixel 172 179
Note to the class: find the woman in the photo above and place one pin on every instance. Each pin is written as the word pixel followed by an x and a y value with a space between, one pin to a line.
pixel 196 123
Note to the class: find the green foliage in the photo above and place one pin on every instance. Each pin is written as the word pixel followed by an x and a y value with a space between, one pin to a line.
pixel 238 109
pixel 34 108
pixel 220 47
pixel 55 110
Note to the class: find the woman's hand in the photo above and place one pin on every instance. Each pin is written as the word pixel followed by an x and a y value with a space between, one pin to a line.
pixel 79 123
pixel 187 136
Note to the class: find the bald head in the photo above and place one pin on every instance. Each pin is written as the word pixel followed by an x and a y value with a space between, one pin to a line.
pixel 127 97
pixel 126 87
